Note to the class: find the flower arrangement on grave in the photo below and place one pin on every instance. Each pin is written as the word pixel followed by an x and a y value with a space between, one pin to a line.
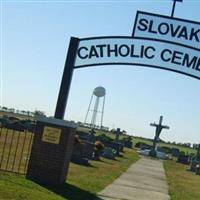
pixel 99 146
pixel 77 140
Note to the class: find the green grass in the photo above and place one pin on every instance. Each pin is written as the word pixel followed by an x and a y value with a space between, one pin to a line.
pixel 13 186
pixel 82 183
pixel 183 184
pixel 138 139
pixel 101 173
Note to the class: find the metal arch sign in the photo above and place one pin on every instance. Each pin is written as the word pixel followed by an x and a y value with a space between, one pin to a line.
pixel 167 29
pixel 157 41
pixel 131 51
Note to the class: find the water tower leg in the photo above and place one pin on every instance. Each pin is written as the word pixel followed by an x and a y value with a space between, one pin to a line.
pixel 95 111
pixel 102 111
pixel 66 79
pixel 88 109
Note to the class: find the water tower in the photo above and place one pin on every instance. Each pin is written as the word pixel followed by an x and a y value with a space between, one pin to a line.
pixel 98 94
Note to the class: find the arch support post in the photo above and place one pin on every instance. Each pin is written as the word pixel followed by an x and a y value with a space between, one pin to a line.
pixel 66 79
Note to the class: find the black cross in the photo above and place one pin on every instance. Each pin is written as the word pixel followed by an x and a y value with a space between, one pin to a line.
pixel 159 128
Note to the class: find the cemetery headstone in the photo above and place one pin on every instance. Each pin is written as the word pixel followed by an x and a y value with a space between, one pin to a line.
pixel 117 134
pixel 128 142
pixel 197 169
pixel 83 135
pixel 195 160
pixel 175 152
pixel 182 158
pixel 166 149
pixel 78 152
pixel 108 152
pixel 88 149
pixel 113 145
pixel 92 131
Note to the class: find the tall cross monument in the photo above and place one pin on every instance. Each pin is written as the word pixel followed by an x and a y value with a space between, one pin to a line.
pixel 159 128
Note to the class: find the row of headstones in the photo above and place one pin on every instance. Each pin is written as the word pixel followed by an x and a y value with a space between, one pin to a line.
pixel 195 162
pixel 181 156
pixel 191 159
pixel 167 150
pixel 53 144
pixel 87 147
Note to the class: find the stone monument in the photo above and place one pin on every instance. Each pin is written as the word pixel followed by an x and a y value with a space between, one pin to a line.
pixel 51 151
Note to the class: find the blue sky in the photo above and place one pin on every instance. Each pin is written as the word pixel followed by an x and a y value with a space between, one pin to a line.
pixel 34 42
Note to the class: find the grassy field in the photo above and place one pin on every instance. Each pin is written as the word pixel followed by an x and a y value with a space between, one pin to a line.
pixel 11 114
pixel 83 182
pixel 183 184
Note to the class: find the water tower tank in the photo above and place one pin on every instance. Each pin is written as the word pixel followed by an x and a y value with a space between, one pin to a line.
pixel 99 91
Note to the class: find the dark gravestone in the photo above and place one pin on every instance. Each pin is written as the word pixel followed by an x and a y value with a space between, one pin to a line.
pixel 194 164
pixel 108 153
pixel 117 134
pixel 113 145
pixel 121 145
pixel 191 155
pixel 144 146
pixel 86 137
pixel 195 161
pixel 88 150
pixel 166 149
pixel 92 132
pixel 182 158
pixel 104 137
pixel 51 151
pixel 161 149
pixel 198 169
pixel 175 152
pixel 128 142
pixel 78 153
pixel 83 135
pixel 137 145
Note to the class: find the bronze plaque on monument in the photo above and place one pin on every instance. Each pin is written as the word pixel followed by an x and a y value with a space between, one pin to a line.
pixel 51 135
